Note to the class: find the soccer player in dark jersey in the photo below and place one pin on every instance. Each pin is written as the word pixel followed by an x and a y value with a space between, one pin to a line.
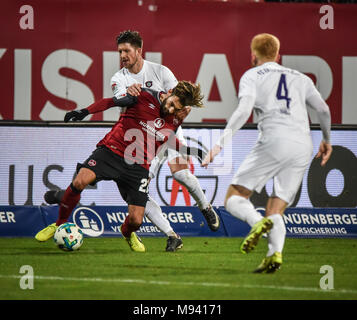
pixel 125 153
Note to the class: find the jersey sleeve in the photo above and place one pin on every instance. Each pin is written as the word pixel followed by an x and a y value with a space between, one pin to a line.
pixel 106 103
pixel 125 101
pixel 237 120
pixel 101 105
pixel 169 81
pixel 118 86
pixel 247 85
pixel 322 110
pixel 310 89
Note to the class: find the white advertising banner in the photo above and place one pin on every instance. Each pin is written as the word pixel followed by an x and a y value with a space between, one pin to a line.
pixel 35 159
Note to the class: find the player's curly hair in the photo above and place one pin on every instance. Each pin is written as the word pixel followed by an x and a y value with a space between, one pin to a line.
pixel 189 94
pixel 132 37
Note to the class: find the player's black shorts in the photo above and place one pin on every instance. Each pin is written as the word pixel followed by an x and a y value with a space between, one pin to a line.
pixel 131 179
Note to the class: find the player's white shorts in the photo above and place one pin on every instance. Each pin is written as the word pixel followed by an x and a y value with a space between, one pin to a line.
pixel 283 160
pixel 166 154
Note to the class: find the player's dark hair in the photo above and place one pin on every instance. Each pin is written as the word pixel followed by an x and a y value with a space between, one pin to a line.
pixel 132 37
pixel 189 94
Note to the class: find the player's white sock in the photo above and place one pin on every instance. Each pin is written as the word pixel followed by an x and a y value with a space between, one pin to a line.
pixel 243 209
pixel 154 213
pixel 154 167
pixel 188 180
pixel 276 236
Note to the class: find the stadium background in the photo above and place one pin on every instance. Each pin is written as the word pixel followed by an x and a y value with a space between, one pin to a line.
pixel 66 58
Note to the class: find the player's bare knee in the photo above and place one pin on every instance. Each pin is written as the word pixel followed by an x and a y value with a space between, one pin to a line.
pixel 275 205
pixel 136 215
pixel 237 190
pixel 242 191
pixel 83 179
pixel 135 221
pixel 79 184
pixel 178 164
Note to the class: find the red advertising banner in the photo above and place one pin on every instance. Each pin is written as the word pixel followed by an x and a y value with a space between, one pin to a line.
pixel 59 55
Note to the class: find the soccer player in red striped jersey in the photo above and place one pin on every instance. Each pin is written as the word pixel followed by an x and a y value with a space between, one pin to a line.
pixel 125 153
pixel 137 73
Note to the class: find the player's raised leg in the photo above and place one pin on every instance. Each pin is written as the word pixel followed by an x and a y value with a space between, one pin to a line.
pixel 180 171
pixel 68 202
pixel 152 211
pixel 183 175
pixel 237 204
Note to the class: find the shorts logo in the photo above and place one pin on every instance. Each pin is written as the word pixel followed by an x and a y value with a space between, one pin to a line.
pixel 92 162
pixel 159 123
pixel 148 84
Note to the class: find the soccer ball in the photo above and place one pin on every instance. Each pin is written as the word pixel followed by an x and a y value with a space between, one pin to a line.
pixel 68 237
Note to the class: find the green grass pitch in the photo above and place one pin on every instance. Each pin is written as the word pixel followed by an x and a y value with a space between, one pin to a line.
pixel 204 269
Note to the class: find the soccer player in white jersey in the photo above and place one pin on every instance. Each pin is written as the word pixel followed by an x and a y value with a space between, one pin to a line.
pixel 136 73
pixel 278 95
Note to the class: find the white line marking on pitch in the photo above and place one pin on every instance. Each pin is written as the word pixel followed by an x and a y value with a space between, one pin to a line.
pixel 202 284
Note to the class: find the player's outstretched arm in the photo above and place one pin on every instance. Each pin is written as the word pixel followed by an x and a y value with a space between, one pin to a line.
pixel 100 106
pixel 211 155
pixel 125 101
pixel 237 120
pixel 176 144
pixel 323 113
pixel 322 110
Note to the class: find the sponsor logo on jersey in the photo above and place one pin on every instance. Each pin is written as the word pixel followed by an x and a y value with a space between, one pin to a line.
pixel 152 131
pixel 159 123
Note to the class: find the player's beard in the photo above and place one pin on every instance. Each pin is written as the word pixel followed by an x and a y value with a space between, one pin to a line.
pixel 131 65
pixel 164 111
